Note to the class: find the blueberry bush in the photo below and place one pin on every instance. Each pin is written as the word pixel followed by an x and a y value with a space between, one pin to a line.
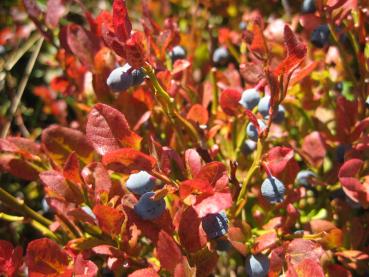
pixel 184 138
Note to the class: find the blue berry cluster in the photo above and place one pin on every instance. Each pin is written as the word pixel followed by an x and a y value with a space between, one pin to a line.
pixel 142 183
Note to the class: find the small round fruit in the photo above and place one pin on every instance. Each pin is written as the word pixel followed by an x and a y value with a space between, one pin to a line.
pixel 264 106
pixel 122 78
pixel 367 102
pixel 252 131
pixel 250 98
pixel 257 265
pixel 140 183
pixel 215 225
pixel 303 177
pixel 279 115
pixel 273 190
pixel 320 36
pixel 248 146
pixel 308 6
pixel 149 209
pixel 341 152
pixel 222 244
pixel 221 56
pixel 177 53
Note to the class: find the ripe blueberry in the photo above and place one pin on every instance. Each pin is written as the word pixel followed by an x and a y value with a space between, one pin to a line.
pixel 222 244
pixel 257 265
pixel 221 56
pixel 273 190
pixel 177 53
pixel 303 177
pixel 367 102
pixel 308 6
pixel 215 225
pixel 320 36
pixel 279 115
pixel 250 98
pixel 264 106
pixel 149 209
pixel 140 183
pixel 252 131
pixel 248 146
pixel 122 78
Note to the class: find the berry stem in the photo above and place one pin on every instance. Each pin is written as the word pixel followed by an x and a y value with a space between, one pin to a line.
pixel 241 200
pixel 169 106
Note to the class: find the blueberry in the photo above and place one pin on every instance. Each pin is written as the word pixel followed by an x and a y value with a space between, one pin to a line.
pixel 279 115
pixel 320 36
pixel 222 244
pixel 250 98
pixel 248 146
pixel 264 106
pixel 105 272
pixel 257 265
pixel 367 102
pixel 149 209
pixel 221 56
pixel 140 183
pixel 215 225
pixel 341 151
pixel 177 53
pixel 303 177
pixel 308 6
pixel 273 190
pixel 252 131
pixel 121 78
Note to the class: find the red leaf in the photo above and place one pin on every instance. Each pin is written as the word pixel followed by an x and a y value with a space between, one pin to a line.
pixel 122 24
pixel 350 168
pixel 135 50
pixel 45 258
pixel 56 186
pixel 258 41
pixel 193 161
pixel 296 52
pixel 214 204
pixel 32 8
pixel 95 174
pixel 146 272
pixel 303 73
pixel 18 167
pixel 237 238
pixel 252 72
pixel 169 254
pixel 195 185
pixel 265 241
pixel 71 169
pixel 108 130
pixel 126 160
pixel 10 258
pixel 215 173
pixel 180 66
pixel 229 99
pixel 338 271
pixel 110 220
pixel 346 117
pixel 59 142
pixel 309 267
pixel 82 43
pixel 198 114
pixel 55 11
pixel 300 249
pixel 84 268
pixel 351 185
pixel 282 164
pixel 191 236
pixel 314 149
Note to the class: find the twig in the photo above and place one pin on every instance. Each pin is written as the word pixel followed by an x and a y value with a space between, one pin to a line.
pixel 20 206
pixel 22 86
